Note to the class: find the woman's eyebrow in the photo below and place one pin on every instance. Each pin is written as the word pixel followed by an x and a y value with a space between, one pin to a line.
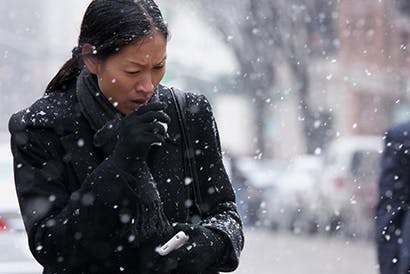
pixel 143 65
pixel 136 63
pixel 165 58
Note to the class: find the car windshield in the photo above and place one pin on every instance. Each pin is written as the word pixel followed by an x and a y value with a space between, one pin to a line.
pixel 365 163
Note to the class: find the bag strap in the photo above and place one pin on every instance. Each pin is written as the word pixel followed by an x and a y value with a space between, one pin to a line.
pixel 188 151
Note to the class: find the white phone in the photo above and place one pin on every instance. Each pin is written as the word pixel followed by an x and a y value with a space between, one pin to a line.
pixel 175 242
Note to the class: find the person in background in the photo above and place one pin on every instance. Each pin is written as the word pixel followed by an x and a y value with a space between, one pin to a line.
pixel 99 164
pixel 392 212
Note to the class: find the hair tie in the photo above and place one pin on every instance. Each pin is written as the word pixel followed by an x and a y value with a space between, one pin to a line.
pixel 75 52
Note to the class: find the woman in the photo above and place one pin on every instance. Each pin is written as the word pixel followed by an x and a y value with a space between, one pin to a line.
pixel 99 168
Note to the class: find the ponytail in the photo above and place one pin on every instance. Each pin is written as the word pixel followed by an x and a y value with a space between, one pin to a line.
pixel 67 74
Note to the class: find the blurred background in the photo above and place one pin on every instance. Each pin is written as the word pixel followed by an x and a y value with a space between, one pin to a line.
pixel 302 91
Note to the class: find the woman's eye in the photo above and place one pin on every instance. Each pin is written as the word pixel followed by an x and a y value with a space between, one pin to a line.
pixel 132 72
pixel 159 67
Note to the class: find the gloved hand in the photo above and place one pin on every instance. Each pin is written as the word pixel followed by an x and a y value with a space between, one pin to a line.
pixel 204 247
pixel 138 131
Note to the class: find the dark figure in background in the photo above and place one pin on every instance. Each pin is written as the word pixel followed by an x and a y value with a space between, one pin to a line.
pixel 393 216
pixel 100 177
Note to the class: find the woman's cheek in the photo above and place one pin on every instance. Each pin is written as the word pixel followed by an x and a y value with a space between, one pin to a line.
pixel 158 77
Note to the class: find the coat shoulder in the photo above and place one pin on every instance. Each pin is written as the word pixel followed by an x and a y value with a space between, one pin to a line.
pixel 197 101
pixel 50 111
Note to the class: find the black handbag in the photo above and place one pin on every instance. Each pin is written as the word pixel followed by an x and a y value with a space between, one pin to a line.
pixel 189 162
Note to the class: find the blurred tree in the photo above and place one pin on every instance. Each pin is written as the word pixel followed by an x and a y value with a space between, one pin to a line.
pixel 260 32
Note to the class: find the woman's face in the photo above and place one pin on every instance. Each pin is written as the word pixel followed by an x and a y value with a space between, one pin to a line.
pixel 128 79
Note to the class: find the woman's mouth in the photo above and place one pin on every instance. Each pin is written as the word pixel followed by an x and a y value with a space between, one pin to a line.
pixel 135 104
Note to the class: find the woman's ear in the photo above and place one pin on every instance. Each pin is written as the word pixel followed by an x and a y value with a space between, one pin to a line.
pixel 89 59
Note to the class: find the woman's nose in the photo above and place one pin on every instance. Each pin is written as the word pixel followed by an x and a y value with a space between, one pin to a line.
pixel 145 84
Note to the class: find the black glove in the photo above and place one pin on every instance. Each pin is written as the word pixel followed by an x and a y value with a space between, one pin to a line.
pixel 138 131
pixel 203 249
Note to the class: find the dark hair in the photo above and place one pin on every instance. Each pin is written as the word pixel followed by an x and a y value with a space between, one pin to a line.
pixel 109 25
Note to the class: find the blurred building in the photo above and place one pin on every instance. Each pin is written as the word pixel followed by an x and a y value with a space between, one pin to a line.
pixel 365 82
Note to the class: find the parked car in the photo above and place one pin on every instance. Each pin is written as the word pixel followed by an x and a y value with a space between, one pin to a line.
pixel 251 178
pixel 16 256
pixel 293 202
pixel 349 184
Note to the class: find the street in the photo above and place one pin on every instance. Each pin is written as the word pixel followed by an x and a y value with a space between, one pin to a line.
pixel 16 257
pixel 268 252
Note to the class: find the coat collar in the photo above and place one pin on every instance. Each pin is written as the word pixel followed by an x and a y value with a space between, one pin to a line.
pixel 76 137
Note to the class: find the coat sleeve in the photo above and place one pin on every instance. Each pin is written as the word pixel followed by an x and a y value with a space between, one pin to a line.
pixel 392 214
pixel 112 211
pixel 219 207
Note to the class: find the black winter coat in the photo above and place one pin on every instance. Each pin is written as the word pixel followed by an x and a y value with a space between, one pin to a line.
pixel 78 207
pixel 392 215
